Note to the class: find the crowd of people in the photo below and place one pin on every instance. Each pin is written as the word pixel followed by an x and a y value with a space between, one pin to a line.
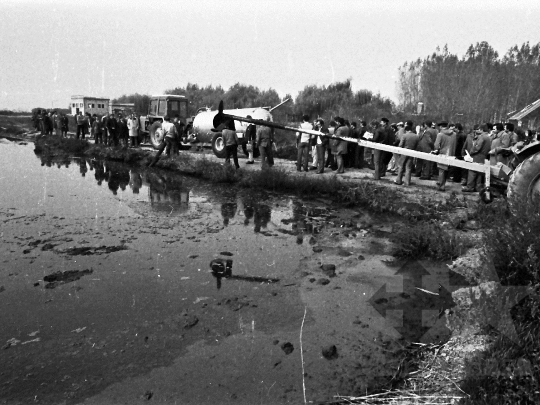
pixel 487 141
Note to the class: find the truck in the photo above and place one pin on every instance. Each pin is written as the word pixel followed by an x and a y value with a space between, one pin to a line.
pixel 161 106
pixel 203 132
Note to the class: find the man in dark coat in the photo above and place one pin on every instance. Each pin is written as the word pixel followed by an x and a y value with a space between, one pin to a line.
pixel 409 140
pixel 445 145
pixel 251 138
pixel 381 135
pixel 426 142
pixel 112 126
pixel 457 173
pixel 322 145
pixel 478 150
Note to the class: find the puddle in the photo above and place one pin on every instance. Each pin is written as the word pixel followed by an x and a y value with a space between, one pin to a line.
pixel 189 291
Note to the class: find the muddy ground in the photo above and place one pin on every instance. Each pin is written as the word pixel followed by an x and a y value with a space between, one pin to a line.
pixel 108 297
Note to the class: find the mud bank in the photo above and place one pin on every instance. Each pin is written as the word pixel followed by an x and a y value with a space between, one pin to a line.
pixel 421 201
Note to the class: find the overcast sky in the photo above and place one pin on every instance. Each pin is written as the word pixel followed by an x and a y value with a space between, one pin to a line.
pixel 51 50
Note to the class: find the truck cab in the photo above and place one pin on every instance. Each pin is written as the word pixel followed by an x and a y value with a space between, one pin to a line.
pixel 161 106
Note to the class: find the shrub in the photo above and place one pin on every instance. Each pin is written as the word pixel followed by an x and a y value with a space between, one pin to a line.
pixel 429 240
pixel 512 240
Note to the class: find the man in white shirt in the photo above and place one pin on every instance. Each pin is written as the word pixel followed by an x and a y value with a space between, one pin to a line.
pixel 169 139
pixel 303 144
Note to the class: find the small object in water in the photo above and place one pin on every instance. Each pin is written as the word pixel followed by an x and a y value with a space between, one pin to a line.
pixel 148 395
pixel 287 347
pixel 330 352
pixel 323 281
pixel 329 270
pixel 225 253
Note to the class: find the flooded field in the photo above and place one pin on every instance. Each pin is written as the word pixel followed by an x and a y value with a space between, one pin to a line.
pixel 120 285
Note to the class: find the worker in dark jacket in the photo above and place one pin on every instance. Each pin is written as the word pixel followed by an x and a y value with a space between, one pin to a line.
pixel 112 130
pixel 478 152
pixel 409 140
pixel 342 131
pixel 380 136
pixel 445 145
pixel 322 145
pixel 426 142
pixel 264 138
pixel 251 139
pixel 230 140
pixel 457 173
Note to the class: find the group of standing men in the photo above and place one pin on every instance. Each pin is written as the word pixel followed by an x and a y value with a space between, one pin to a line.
pixel 52 121
pixel 109 130
pixel 486 141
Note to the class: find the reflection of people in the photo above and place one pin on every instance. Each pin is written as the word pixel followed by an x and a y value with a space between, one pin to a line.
pixel 228 211
pixel 261 217
pixel 99 173
pixel 135 181
pixel 123 177
pixel 82 167
pixel 112 178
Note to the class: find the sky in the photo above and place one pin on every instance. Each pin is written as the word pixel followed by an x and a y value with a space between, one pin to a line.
pixel 51 50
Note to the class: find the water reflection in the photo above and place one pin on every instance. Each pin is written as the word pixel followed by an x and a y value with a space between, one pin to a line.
pixel 166 192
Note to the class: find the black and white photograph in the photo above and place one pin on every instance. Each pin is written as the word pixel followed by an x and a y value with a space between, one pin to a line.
pixel 269 202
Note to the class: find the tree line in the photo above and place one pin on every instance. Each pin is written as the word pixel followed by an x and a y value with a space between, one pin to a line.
pixel 478 87
pixel 336 99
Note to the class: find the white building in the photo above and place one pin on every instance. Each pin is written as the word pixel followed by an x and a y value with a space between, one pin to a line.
pixel 92 105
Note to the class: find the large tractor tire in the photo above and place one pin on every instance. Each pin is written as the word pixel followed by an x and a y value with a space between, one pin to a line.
pixel 156 134
pixel 524 184
pixel 218 146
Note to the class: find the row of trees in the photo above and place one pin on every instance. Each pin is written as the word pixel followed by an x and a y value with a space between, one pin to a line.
pixel 316 101
pixel 478 87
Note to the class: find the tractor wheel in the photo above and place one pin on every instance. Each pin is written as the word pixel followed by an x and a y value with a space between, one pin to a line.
pixel 218 146
pixel 524 184
pixel 156 134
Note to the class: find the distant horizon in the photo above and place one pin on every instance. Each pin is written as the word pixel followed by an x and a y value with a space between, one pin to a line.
pixel 50 55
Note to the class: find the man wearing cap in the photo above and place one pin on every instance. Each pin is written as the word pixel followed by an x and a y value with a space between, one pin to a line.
pixel 445 145
pixel 477 146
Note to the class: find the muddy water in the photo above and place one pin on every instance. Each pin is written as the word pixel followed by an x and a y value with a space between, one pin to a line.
pixel 107 294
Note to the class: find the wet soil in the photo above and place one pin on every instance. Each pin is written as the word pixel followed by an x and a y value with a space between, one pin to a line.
pixel 308 299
